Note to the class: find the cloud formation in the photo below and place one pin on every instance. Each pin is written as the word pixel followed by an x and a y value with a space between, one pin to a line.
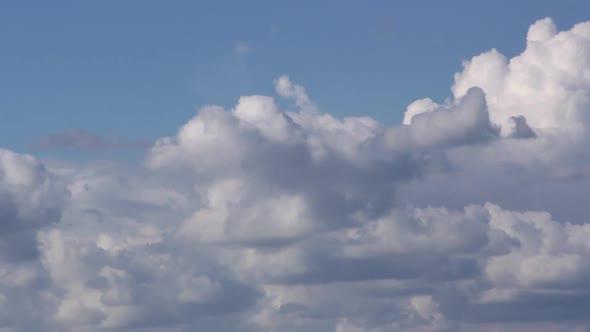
pixel 82 140
pixel 466 217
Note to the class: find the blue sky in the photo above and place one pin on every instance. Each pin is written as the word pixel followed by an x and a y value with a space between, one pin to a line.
pixel 139 69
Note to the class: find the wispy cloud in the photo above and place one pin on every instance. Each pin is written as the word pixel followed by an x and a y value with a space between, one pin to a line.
pixel 242 48
pixel 84 140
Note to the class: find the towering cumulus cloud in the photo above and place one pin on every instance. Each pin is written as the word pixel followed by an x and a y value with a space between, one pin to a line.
pixel 469 216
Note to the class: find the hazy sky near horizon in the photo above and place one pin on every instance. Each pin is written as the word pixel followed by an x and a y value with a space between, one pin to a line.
pixel 288 166
pixel 138 69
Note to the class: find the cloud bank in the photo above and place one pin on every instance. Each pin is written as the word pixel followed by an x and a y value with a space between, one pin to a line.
pixel 469 216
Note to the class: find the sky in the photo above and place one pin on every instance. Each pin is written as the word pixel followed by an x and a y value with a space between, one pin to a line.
pixel 290 167
pixel 138 69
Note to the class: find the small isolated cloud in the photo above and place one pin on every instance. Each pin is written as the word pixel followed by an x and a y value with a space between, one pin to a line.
pixel 242 47
pixel 84 140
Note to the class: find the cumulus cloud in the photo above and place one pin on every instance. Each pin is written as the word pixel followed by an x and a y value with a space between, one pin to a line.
pixel 519 128
pixel 466 217
pixel 31 201
pixel 286 89
pixel 467 121
pixel 418 107
pixel 547 83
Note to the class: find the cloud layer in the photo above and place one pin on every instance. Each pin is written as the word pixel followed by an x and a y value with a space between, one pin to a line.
pixel 467 217
pixel 82 140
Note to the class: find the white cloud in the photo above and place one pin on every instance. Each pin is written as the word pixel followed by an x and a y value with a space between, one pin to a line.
pixel 418 107
pixel 286 89
pixel 547 83
pixel 465 122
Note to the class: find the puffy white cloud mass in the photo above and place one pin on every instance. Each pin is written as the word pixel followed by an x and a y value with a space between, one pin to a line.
pixel 469 216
